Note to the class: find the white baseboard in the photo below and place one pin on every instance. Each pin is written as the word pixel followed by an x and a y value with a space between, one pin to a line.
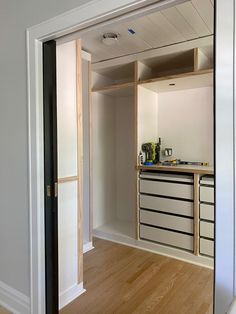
pixel 156 248
pixel 70 294
pixel 88 247
pixel 13 300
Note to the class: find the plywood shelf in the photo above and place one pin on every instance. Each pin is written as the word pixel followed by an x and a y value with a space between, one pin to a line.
pixel 194 79
pixel 124 89
pixel 179 168
pixel 181 81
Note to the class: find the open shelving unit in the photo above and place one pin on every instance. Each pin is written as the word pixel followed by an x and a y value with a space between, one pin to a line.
pixel 124 102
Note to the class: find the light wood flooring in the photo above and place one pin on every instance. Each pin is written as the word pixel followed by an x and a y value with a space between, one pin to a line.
pixel 124 280
pixel 3 311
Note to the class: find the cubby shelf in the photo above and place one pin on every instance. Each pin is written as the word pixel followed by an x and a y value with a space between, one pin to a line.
pixel 194 79
pixel 191 69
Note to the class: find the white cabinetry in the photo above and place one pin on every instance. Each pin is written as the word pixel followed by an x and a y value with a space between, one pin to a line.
pixel 166 209
pixel 207 216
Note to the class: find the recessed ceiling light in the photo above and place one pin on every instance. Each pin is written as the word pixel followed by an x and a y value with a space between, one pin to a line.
pixel 110 38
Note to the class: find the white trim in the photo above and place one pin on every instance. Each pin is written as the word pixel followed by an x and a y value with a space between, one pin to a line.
pixel 91 13
pixel 70 294
pixel 13 300
pixel 232 309
pixel 156 248
pixel 36 175
pixel 88 247
pixel 234 86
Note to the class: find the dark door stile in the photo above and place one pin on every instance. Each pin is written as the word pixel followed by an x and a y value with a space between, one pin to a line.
pixel 50 176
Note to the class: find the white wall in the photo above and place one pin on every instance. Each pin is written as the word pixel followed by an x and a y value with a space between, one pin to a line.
pixel 104 186
pixel 147 116
pixel 125 159
pixel 185 123
pixel 113 159
pixel 15 17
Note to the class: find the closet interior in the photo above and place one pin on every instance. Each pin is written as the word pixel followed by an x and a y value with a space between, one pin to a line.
pixel 148 134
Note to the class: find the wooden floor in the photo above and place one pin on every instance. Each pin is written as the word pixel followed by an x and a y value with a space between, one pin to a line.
pixel 3 311
pixel 124 280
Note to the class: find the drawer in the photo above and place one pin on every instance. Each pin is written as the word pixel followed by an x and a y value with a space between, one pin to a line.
pixel 167 177
pixel 167 189
pixel 207 229
pixel 209 180
pixel 207 212
pixel 166 221
pixel 207 247
pixel 207 194
pixel 172 238
pixel 166 205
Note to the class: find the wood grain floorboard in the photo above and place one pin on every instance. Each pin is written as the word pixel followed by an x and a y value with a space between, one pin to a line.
pixel 124 280
pixel 4 311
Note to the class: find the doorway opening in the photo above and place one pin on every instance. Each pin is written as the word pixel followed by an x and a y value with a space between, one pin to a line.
pixel 140 85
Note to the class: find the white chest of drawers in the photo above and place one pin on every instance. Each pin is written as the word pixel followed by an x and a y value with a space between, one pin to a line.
pixel 207 216
pixel 166 209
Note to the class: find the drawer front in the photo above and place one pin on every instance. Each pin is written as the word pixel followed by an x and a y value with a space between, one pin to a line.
pixel 166 205
pixel 167 237
pixel 209 180
pixel 207 229
pixel 166 221
pixel 207 247
pixel 167 177
pixel 207 194
pixel 207 212
pixel 167 189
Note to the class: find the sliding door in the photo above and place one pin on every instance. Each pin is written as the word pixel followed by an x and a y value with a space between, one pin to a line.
pixel 50 176
pixel 70 194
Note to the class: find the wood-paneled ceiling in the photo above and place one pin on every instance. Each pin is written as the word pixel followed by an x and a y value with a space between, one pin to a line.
pixel 186 21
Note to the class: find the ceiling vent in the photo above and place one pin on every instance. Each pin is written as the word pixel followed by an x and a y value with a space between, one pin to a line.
pixel 110 38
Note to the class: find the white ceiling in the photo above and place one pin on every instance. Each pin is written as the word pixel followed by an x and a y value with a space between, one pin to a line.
pixel 183 22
